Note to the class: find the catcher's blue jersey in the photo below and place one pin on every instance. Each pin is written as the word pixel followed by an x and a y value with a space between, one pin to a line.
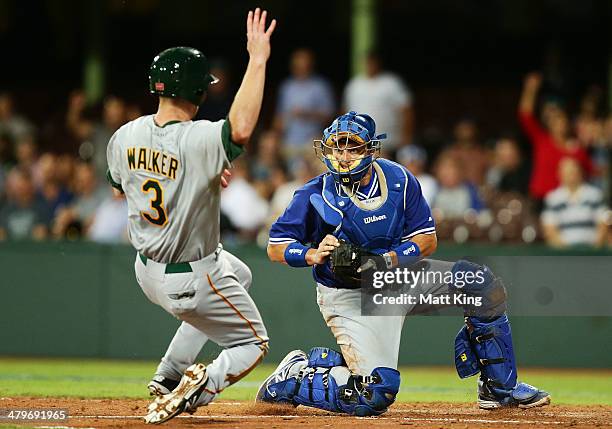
pixel 390 210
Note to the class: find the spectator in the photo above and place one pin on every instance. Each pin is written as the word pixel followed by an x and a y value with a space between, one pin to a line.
pixel 574 213
pixel 17 127
pixel 26 153
pixel 601 156
pixel 284 193
pixel 65 170
pixel 383 96
pixel 133 111
pixel 467 149
pixel 588 115
pixel 48 186
pixel 549 145
pixel 6 160
pixel 305 104
pixel 219 96
pixel 7 151
pixel 24 216
pixel 595 134
pixel 114 115
pixel 241 204
pixel 455 195
pixel 278 177
pixel 267 170
pixel 65 132
pixel 110 221
pixel 74 220
pixel 509 172
pixel 414 158
pixel 268 157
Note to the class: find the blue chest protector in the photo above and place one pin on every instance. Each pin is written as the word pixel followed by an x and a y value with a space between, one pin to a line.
pixel 376 224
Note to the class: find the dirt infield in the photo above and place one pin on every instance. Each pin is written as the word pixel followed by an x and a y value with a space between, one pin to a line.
pixel 114 413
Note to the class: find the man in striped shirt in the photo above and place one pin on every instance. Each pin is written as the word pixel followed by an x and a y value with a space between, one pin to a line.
pixel 575 213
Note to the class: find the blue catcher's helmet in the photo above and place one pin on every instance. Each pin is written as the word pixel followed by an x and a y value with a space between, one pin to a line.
pixel 355 132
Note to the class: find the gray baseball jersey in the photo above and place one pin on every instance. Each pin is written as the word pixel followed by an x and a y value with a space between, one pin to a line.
pixel 171 178
pixel 173 215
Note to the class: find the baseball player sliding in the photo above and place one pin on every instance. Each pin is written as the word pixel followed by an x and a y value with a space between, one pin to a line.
pixel 170 169
pixel 369 213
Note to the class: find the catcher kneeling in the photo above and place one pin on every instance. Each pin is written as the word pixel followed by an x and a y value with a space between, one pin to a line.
pixel 368 213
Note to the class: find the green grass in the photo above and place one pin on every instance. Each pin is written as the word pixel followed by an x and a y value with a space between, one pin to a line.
pixel 128 379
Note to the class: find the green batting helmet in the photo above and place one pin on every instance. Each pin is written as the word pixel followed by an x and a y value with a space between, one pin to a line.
pixel 181 72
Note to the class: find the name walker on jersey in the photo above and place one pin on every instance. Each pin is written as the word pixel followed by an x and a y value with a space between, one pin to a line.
pixel 153 161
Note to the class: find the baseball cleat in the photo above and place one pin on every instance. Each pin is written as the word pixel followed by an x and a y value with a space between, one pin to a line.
pixel 161 385
pixel 289 367
pixel 183 398
pixel 522 396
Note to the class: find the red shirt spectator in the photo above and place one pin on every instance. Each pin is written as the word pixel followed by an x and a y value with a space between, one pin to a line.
pixel 549 145
pixel 547 154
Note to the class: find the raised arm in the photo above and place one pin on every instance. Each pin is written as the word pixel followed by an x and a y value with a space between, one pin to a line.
pixel 247 103
pixel 531 86
pixel 526 108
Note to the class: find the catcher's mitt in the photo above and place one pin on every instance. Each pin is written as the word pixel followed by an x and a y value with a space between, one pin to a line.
pixel 348 261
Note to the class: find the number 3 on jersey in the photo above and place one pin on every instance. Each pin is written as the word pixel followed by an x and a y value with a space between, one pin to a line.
pixel 158 218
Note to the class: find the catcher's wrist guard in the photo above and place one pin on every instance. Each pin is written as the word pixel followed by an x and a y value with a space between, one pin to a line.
pixel 407 252
pixel 295 255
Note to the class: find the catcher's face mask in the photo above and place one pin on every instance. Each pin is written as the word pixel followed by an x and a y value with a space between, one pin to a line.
pixel 348 148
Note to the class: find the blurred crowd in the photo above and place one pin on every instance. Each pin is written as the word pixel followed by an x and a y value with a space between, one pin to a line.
pixel 548 180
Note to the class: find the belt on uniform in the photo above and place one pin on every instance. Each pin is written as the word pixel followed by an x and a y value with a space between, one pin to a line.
pixel 180 267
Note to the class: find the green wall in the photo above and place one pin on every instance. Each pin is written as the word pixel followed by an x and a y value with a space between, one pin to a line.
pixel 79 299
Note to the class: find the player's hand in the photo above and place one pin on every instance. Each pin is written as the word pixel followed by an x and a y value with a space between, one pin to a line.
pixel 258 38
pixel 225 176
pixel 327 245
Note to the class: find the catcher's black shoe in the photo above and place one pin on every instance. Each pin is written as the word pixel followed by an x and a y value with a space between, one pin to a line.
pixel 183 398
pixel 522 396
pixel 161 385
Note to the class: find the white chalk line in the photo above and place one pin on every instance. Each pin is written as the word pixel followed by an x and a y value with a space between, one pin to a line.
pixel 291 417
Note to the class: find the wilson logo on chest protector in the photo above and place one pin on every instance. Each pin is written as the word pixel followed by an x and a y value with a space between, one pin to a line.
pixel 374 218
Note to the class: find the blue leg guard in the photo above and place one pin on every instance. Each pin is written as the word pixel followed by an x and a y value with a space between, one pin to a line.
pixel 306 379
pixel 335 389
pixel 325 358
pixel 326 383
pixel 486 346
pixel 485 343
pixel 479 281
pixel 370 395
pixel 282 384
pixel 492 344
pixel 498 387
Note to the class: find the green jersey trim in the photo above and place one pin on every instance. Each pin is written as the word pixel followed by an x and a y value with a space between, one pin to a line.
pixel 232 150
pixel 114 184
pixel 167 123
